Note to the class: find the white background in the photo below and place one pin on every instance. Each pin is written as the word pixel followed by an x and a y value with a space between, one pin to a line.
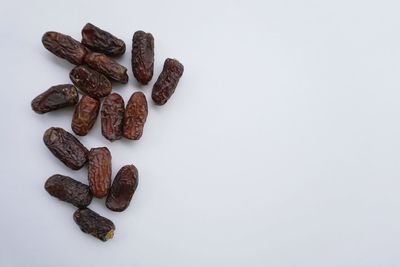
pixel 280 146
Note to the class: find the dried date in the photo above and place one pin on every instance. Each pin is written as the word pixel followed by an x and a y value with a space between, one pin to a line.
pixel 99 173
pixel 56 97
pixel 142 56
pixel 101 41
pixel 90 81
pixel 167 81
pixel 92 223
pixel 69 190
pixel 64 46
pixel 112 114
pixel 66 147
pixel 123 188
pixel 135 116
pixel 85 115
pixel 108 66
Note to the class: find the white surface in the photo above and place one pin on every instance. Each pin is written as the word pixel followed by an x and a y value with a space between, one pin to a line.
pixel 280 146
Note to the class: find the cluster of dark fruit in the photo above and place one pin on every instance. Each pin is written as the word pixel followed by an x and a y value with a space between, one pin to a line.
pixel 95 68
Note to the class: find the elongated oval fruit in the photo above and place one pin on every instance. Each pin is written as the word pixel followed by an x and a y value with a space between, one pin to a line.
pixel 56 97
pixel 85 115
pixel 167 81
pixel 101 41
pixel 142 56
pixel 69 190
pixel 108 66
pixel 123 188
pixel 112 115
pixel 99 172
pixel 64 46
pixel 135 116
pixel 90 81
pixel 66 147
pixel 92 223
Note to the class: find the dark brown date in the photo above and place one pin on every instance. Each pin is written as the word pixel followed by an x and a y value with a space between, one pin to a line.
pixel 64 46
pixel 142 56
pixel 135 116
pixel 108 66
pixel 56 97
pixel 92 223
pixel 90 81
pixel 66 147
pixel 85 115
pixel 167 81
pixel 99 173
pixel 123 188
pixel 69 190
pixel 112 115
pixel 101 41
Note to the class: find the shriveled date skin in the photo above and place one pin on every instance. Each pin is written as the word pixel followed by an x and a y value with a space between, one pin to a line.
pixel 90 81
pixel 143 56
pixel 69 190
pixel 135 116
pixel 64 46
pixel 101 41
pixel 99 173
pixel 123 188
pixel 92 223
pixel 167 81
pixel 56 97
pixel 108 66
pixel 112 115
pixel 85 115
pixel 66 147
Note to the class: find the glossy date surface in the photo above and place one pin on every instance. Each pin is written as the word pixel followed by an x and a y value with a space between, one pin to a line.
pixel 112 115
pixel 167 82
pixel 107 66
pixel 66 147
pixel 99 171
pixel 90 81
pixel 142 56
pixel 94 224
pixel 135 116
pixel 85 115
pixel 69 190
pixel 56 97
pixel 64 46
pixel 99 40
pixel 123 188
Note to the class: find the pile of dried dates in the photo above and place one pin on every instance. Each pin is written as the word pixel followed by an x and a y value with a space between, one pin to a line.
pixel 93 75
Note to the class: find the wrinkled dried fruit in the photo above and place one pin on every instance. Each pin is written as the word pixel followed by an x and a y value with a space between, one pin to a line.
pixel 123 188
pixel 69 190
pixel 90 81
pixel 112 115
pixel 167 81
pixel 56 97
pixel 143 56
pixel 101 41
pixel 66 147
pixel 108 66
pixel 92 223
pixel 135 116
pixel 64 46
pixel 85 115
pixel 99 173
